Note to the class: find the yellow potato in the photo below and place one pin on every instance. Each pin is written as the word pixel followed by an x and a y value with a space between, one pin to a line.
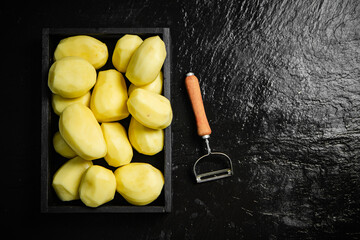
pixel 71 77
pixel 119 148
pixel 139 183
pixel 67 178
pixel 89 48
pixel 109 97
pixel 124 49
pixel 59 103
pixel 145 140
pixel 155 86
pixel 61 147
pixel 98 186
pixel 82 132
pixel 150 109
pixel 145 64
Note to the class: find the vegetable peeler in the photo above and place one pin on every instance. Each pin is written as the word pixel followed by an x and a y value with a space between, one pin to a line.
pixel 204 131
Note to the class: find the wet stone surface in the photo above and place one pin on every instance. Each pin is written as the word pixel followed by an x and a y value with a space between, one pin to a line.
pixel 282 91
pixel 281 86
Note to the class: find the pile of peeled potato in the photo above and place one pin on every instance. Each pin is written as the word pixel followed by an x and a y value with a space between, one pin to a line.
pixel 90 106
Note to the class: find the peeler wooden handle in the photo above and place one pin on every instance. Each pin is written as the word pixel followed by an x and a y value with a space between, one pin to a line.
pixel 193 89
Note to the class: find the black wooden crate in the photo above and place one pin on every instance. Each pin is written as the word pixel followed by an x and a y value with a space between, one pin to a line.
pixel 51 161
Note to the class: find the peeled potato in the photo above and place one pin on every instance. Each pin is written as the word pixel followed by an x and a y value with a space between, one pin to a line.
pixel 67 178
pixel 89 48
pixel 59 103
pixel 71 77
pixel 82 132
pixel 109 97
pixel 145 140
pixel 145 64
pixel 61 147
pixel 124 49
pixel 155 86
pixel 150 109
pixel 119 148
pixel 139 183
pixel 98 186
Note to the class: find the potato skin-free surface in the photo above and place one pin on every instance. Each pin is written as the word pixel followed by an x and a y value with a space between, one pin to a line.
pixel 119 149
pixel 61 147
pixel 67 178
pixel 145 64
pixel 89 48
pixel 59 103
pixel 82 132
pixel 145 140
pixel 155 86
pixel 71 77
pixel 150 109
pixel 124 49
pixel 109 97
pixel 139 183
pixel 97 186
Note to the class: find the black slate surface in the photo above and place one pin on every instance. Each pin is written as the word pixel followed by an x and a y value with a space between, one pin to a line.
pixel 281 86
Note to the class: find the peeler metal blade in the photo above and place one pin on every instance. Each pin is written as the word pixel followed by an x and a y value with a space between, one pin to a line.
pixel 214 175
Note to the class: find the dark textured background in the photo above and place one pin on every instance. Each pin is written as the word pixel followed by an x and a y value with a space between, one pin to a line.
pixel 281 86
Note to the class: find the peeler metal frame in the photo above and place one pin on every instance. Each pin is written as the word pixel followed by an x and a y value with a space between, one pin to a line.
pixel 213 175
